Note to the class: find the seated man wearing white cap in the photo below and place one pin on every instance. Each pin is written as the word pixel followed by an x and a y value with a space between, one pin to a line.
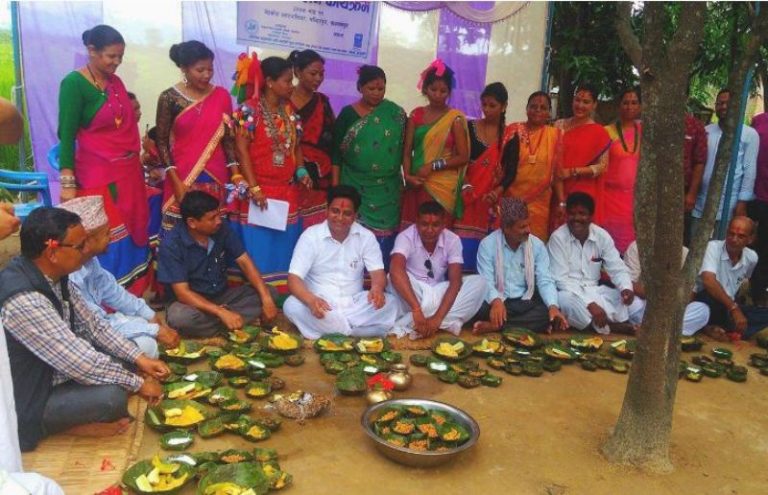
pixel 132 316
pixel 426 277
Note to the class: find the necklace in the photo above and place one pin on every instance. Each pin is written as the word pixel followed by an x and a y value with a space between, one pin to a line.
pixel 117 116
pixel 278 126
pixel 620 132
pixel 532 152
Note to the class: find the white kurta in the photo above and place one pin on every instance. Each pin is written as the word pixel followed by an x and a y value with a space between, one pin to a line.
pixel 576 269
pixel 334 271
pixel 696 313
pixel 467 304
pixel 12 479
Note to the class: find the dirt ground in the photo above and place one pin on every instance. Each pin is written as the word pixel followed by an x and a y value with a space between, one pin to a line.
pixel 538 436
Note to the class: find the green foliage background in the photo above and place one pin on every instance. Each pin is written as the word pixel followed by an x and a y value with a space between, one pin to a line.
pixel 9 155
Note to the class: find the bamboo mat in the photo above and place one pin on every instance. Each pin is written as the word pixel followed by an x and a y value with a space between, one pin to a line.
pixel 84 465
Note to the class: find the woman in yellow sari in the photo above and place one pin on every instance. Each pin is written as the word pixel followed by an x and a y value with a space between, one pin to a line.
pixel 436 148
pixel 540 149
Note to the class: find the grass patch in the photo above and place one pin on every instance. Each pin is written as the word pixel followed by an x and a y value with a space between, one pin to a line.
pixel 9 154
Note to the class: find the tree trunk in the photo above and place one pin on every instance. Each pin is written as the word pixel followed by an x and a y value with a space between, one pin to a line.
pixel 642 433
pixel 641 436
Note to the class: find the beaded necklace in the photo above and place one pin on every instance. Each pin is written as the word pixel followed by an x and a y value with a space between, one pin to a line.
pixel 279 131
pixel 532 152
pixel 620 132
pixel 116 116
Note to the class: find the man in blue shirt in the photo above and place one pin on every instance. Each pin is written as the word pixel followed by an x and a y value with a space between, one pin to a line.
pixel 193 260
pixel 745 169
pixel 515 265
pixel 132 317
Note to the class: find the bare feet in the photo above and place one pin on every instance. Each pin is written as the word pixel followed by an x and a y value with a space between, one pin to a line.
pixel 481 327
pixel 100 429
pixel 715 332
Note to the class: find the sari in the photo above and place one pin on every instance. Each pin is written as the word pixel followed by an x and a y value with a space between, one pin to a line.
pixel 431 142
pixel 539 159
pixel 108 165
pixel 271 250
pixel 485 172
pixel 583 146
pixel 619 196
pixel 195 147
pixel 369 150
pixel 316 143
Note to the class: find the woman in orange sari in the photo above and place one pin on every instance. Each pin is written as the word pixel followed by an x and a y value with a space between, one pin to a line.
pixel 493 152
pixel 585 151
pixel 436 149
pixel 539 159
pixel 624 157
pixel 192 138
pixel 317 137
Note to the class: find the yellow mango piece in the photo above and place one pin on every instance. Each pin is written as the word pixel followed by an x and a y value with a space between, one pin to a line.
pixel 283 341
pixel 143 484
pixel 189 416
pixel 164 468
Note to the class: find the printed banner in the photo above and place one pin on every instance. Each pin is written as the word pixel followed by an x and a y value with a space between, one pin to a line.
pixel 339 30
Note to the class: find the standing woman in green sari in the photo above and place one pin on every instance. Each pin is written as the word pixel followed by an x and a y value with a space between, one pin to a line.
pixel 368 148
pixel 436 149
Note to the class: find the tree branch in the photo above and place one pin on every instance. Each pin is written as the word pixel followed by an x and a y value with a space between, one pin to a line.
pixel 691 26
pixel 627 36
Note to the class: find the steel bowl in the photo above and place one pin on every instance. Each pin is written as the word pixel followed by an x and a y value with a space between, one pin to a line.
pixel 411 457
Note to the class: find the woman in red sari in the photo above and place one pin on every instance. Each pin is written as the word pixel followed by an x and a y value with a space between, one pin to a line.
pixel 192 139
pixel 317 132
pixel 585 152
pixel 100 149
pixel 267 145
pixel 624 157
pixel 493 151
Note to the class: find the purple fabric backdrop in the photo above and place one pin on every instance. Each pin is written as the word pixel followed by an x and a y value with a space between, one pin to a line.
pixel 463 46
pixel 199 20
pixel 51 47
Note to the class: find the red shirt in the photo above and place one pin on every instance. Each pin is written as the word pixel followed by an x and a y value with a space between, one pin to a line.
pixel 694 147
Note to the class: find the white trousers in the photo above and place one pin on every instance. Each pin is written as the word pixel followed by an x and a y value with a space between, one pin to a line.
pixel 574 307
pixel 28 484
pixel 353 316
pixel 695 317
pixel 468 301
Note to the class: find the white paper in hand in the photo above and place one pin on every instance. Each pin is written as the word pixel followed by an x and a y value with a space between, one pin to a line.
pixel 274 217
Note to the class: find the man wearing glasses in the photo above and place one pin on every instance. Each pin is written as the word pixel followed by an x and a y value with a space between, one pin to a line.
pixel 66 363
pixel 425 272
pixel 515 264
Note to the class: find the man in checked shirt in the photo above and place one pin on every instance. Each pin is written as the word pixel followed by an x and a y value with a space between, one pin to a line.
pixel 68 366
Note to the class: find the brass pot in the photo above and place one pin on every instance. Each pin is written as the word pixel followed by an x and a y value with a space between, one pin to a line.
pixel 376 396
pixel 400 376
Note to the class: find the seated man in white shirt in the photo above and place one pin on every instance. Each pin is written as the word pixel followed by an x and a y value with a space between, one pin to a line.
pixel 727 264
pixel 425 275
pixel 515 266
pixel 578 250
pixel 132 316
pixel 326 275
pixel 696 313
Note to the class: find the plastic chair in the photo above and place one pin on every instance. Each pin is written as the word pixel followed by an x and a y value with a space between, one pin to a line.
pixel 53 156
pixel 33 182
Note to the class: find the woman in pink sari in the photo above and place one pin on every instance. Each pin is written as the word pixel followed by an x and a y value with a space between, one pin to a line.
pixel 99 154
pixel 192 138
pixel 623 158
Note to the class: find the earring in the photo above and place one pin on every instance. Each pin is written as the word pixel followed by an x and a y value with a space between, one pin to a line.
pixel 184 79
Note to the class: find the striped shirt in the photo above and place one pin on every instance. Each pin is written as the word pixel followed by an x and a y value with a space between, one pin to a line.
pixel 83 354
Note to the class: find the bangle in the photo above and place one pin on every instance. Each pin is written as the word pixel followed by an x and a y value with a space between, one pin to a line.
pixel 232 164
pixel 68 186
pixel 733 307
pixel 438 164
pixel 594 170
pixel 169 168
pixel 254 189
pixel 561 204
pixel 67 180
pixel 235 177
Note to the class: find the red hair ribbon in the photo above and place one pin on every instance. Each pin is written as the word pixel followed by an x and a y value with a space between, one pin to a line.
pixel 439 67
pixel 52 243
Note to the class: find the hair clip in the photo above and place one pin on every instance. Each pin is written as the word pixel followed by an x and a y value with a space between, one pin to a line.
pixel 52 243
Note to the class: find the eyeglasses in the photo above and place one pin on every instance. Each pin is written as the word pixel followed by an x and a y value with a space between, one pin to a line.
pixel 78 247
pixel 428 266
